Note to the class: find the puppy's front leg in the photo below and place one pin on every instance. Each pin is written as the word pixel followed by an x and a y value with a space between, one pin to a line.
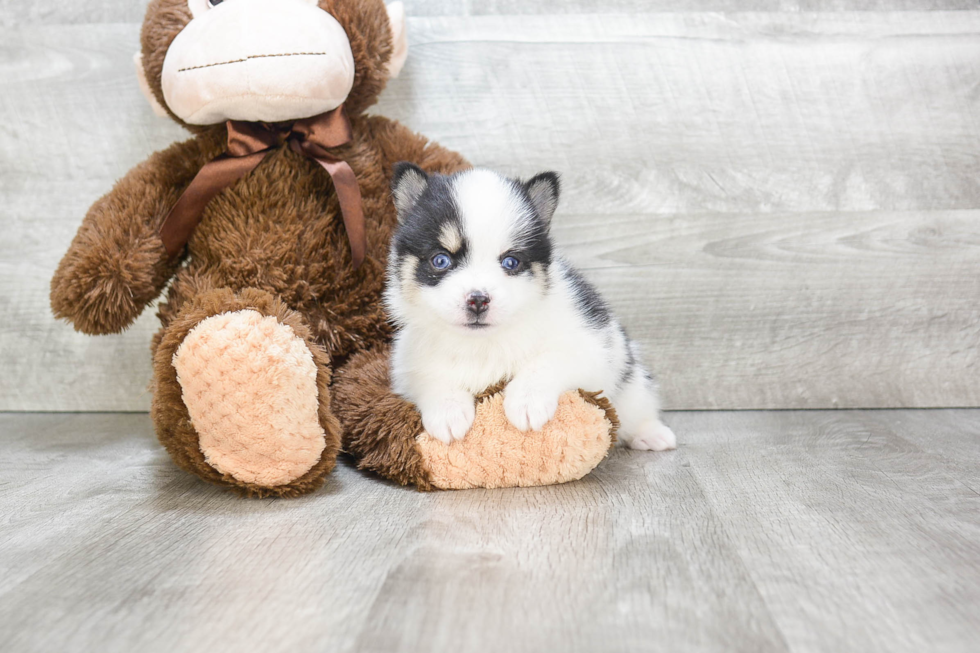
pixel 447 415
pixel 531 398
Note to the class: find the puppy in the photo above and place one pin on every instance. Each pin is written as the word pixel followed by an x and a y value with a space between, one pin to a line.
pixel 478 295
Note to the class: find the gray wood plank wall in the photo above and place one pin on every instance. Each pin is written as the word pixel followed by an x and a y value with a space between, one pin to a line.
pixel 782 204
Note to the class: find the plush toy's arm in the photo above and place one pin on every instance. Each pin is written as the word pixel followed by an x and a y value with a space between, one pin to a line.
pixel 116 264
pixel 399 143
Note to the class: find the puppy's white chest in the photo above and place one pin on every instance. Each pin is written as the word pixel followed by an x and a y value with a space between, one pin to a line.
pixel 495 370
pixel 477 366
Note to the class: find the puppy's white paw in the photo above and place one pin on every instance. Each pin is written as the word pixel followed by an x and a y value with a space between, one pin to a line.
pixel 653 435
pixel 529 408
pixel 449 418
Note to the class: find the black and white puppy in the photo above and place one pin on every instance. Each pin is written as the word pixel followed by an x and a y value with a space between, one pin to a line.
pixel 479 295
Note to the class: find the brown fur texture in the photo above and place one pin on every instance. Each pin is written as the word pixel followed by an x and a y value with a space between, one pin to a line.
pixel 384 434
pixel 273 241
pixel 116 265
pixel 379 427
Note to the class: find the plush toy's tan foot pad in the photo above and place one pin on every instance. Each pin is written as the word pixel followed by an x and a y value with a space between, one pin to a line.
pixel 384 433
pixel 249 384
pixel 496 454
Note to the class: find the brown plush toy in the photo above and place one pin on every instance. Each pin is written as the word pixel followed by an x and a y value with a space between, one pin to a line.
pixel 271 226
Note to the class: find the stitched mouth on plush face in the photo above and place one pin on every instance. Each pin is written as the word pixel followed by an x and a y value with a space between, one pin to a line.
pixel 258 61
pixel 253 56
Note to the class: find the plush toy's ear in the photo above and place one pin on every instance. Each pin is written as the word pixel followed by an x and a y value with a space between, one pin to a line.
pixel 145 86
pixel 399 38
pixel 543 191
pixel 407 185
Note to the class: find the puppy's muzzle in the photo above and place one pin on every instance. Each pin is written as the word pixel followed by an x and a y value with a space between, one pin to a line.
pixel 477 303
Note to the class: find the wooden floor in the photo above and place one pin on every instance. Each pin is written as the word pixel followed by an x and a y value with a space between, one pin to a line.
pixel 766 531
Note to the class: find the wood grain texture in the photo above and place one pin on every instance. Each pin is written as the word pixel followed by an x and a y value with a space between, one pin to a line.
pixel 781 206
pixel 19 12
pixel 765 531
pixel 805 310
pixel 870 518
pixel 77 123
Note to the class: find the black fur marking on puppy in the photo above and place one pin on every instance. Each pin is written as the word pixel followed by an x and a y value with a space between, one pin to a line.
pixel 629 369
pixel 534 246
pixel 422 225
pixel 587 299
pixel 534 241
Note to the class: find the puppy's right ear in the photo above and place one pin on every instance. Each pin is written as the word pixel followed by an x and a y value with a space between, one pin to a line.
pixel 407 185
pixel 543 190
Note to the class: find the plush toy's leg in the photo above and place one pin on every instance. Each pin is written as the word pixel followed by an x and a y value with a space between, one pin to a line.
pixel 241 395
pixel 380 428
pixel 384 434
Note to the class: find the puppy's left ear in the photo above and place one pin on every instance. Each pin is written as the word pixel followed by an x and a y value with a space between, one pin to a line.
pixel 408 182
pixel 543 190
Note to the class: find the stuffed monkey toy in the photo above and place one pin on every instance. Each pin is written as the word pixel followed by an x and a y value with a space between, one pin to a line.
pixel 269 230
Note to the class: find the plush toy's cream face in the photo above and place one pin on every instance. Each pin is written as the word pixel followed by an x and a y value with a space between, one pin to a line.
pixel 261 60
pixel 264 60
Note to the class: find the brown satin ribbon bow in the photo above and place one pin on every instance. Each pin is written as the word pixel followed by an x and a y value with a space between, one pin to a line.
pixel 248 144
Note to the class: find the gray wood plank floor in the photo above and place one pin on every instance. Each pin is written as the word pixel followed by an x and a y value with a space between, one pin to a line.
pixel 765 531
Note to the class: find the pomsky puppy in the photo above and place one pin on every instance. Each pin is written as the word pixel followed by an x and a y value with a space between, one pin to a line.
pixel 478 295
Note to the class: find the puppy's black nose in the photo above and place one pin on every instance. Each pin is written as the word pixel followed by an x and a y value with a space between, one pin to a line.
pixel 477 302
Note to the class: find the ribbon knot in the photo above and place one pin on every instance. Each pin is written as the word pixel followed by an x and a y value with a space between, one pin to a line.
pixel 248 145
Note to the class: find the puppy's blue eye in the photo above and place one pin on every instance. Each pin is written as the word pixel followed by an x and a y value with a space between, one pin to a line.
pixel 441 261
pixel 510 263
